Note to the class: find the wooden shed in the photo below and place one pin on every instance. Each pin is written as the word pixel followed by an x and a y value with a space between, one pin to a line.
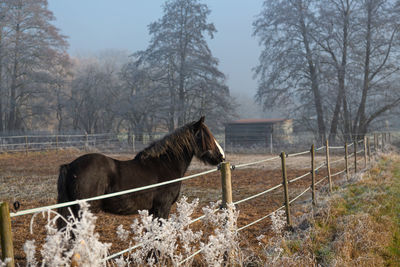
pixel 258 133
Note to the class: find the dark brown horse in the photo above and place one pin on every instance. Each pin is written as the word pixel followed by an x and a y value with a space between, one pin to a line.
pixel 96 174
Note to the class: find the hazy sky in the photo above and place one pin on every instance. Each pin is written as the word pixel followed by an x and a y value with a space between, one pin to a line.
pixel 96 25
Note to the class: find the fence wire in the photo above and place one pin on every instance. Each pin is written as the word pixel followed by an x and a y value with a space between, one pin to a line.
pixel 65 204
pixel 259 194
pixel 256 162
pixel 40 209
pixel 299 177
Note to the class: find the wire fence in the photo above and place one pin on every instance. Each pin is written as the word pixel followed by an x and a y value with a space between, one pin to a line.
pixel 123 142
pixel 367 150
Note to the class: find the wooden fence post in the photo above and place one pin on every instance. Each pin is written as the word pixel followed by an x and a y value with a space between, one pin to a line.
pixel 328 165
pixel 7 250
pixel 226 184
pixel 133 142
pixel 375 143
pixel 314 202
pixel 383 142
pixel 286 189
pixel 355 155
pixel 346 159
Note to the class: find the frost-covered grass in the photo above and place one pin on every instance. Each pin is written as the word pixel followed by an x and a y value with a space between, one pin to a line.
pixel 358 225
pixel 160 242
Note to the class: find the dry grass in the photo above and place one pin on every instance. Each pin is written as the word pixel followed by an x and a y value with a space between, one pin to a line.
pixel 31 179
pixel 358 225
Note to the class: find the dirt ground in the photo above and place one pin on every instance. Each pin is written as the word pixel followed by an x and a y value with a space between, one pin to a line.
pixel 31 179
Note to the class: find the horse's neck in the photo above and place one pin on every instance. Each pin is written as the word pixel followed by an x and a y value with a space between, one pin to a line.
pixel 167 164
pixel 181 165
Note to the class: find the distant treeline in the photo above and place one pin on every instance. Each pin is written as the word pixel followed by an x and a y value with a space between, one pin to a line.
pixel 175 80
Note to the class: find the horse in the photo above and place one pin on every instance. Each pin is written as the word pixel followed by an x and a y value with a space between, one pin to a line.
pixel 95 174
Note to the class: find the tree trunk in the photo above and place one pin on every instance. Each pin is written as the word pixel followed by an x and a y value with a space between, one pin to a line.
pixel 1 80
pixel 13 102
pixel 181 89
pixel 314 82
pixel 361 117
pixel 341 75
pixel 347 120
pixel 12 120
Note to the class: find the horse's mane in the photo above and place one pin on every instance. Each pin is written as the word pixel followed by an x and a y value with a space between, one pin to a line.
pixel 173 145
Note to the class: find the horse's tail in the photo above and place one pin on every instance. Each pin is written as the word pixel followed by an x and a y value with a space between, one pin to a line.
pixel 63 195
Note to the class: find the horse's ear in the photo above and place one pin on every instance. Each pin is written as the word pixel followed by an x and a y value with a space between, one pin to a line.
pixel 197 124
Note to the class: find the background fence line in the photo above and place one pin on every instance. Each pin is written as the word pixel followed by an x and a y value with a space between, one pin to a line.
pixel 226 196
pixel 126 142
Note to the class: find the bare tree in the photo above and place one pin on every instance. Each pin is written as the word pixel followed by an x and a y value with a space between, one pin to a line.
pixel 141 100
pixel 94 90
pixel 4 8
pixel 334 35
pixel 339 54
pixel 289 64
pixel 28 50
pixel 377 55
pixel 179 45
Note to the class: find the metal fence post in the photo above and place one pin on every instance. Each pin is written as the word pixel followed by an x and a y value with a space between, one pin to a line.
pixel 56 143
pixel 271 147
pixel 346 159
pixel 369 150
pixel 314 202
pixel 7 249
pixel 328 165
pixel 286 189
pixel 355 155
pixel 26 144
pixel 86 147
pixel 226 184
pixel 365 152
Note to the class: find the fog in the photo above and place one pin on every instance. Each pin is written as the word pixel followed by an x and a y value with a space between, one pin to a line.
pixel 94 26
pixel 136 67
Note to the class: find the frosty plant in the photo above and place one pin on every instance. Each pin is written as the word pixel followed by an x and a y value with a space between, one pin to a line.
pixel 4 263
pixel 273 250
pixel 169 242
pixel 159 242
pixel 163 242
pixel 60 249
pixel 223 244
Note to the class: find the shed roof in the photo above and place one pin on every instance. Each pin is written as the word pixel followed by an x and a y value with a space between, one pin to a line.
pixel 251 121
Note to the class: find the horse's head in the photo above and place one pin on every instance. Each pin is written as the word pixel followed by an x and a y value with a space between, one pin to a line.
pixel 207 148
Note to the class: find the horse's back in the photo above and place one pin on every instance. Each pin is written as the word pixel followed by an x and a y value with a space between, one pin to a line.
pixel 89 175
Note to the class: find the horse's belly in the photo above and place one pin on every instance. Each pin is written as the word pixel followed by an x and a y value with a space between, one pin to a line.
pixel 129 203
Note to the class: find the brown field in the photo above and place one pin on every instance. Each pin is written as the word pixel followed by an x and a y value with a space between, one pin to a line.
pixel 31 179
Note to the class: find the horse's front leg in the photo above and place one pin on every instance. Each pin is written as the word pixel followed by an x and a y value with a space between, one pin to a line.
pixel 160 210
pixel 163 200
